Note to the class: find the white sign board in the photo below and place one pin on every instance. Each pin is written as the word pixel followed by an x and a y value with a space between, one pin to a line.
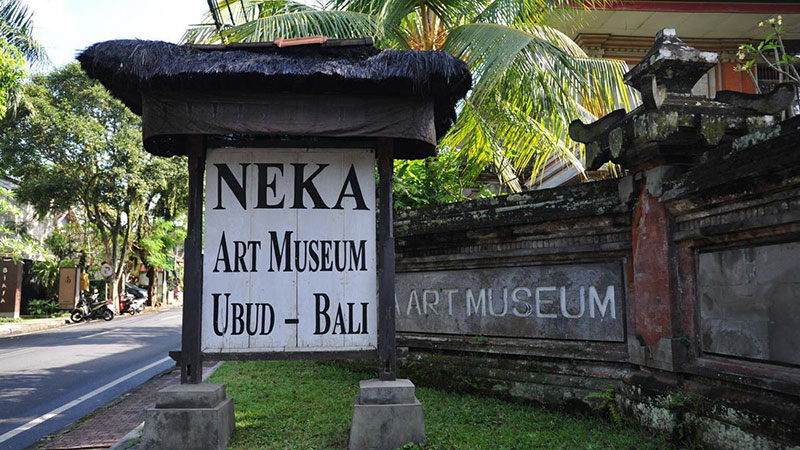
pixel 290 251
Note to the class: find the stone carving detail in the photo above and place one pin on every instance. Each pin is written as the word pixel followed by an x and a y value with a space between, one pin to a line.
pixel 780 98
pixel 673 127
pixel 582 132
pixel 671 67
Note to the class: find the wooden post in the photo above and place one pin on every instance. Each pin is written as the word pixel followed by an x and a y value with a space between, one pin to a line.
pixel 387 352
pixel 191 358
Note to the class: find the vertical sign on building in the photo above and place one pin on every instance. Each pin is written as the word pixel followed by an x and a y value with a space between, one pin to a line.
pixel 289 251
pixel 10 287
pixel 68 284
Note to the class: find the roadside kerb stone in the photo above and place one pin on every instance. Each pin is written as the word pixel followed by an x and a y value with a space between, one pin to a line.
pixel 33 325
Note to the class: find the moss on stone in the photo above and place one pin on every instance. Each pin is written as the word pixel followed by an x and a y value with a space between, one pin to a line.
pixel 756 137
pixel 712 128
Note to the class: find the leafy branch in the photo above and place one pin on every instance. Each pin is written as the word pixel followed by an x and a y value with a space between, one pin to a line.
pixel 772 52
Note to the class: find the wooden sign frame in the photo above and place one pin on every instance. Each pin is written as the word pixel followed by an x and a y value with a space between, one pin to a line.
pixel 192 355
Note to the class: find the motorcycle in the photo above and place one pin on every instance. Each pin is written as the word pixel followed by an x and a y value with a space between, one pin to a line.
pixel 131 305
pixel 90 307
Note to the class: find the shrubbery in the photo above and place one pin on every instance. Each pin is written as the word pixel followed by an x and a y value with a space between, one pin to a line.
pixel 42 308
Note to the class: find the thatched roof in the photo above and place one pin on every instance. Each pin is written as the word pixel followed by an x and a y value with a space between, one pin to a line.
pixel 129 68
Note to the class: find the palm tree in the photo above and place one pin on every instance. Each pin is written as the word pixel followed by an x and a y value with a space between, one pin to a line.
pixel 16 29
pixel 16 44
pixel 531 80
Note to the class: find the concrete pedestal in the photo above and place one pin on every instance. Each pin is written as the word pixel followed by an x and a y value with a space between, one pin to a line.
pixel 189 417
pixel 386 415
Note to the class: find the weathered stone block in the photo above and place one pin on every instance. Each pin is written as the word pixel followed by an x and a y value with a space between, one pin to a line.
pixel 205 395
pixel 748 302
pixel 377 392
pixel 197 417
pixel 560 301
pixel 382 425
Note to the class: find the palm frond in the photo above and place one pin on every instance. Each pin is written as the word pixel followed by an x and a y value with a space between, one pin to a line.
pixel 201 34
pixel 474 131
pixel 552 35
pixel 605 90
pixel 527 90
pixel 494 52
pixel 16 28
pixel 237 12
pixel 334 24
pixel 518 145
pixel 450 13
pixel 372 7
pixel 535 12
pixel 530 79
pixel 229 13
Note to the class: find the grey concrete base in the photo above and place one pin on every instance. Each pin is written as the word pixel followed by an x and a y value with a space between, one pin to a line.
pixel 386 415
pixel 189 417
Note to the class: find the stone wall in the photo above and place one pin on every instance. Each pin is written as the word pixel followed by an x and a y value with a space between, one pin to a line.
pixel 700 335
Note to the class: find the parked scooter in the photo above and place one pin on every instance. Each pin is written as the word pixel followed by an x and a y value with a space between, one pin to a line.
pixel 90 307
pixel 131 305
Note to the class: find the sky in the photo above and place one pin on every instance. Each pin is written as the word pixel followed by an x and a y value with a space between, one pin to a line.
pixel 65 27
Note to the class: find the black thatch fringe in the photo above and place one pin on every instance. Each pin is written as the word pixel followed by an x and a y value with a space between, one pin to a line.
pixel 128 67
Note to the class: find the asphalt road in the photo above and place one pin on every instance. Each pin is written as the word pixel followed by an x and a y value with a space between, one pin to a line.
pixel 52 378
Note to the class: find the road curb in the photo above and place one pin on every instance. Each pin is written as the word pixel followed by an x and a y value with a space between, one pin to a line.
pixel 18 328
pixel 23 328
pixel 135 435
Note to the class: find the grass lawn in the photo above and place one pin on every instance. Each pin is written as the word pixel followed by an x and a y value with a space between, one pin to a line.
pixel 308 405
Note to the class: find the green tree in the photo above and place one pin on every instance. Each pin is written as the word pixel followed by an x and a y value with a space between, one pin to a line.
pixel 70 242
pixel 159 244
pixel 7 210
pixel 14 240
pixel 12 72
pixel 431 181
pixel 74 147
pixel 531 80
pixel 772 53
pixel 158 234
